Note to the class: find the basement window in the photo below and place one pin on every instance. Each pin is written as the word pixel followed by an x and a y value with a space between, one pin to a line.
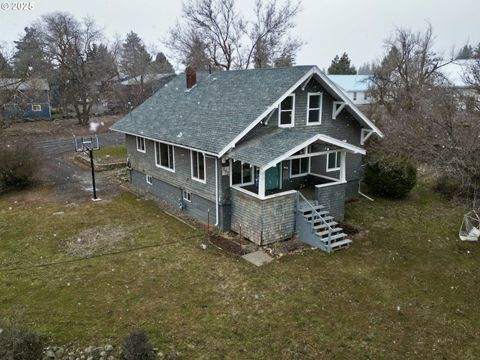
pixel 149 179
pixel 36 108
pixel 164 156
pixel 140 144
pixel 187 196
pixel 333 161
pixel 198 166
pixel 286 112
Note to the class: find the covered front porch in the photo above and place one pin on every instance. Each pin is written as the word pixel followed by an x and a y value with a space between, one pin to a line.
pixel 265 196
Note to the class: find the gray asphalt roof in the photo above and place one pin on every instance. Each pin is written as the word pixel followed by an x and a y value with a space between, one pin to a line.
pixel 269 144
pixel 212 113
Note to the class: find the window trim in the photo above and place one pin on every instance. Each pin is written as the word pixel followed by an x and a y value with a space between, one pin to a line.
pixel 189 195
pixel 158 156
pixel 36 106
pixel 252 174
pixel 144 144
pixel 292 124
pixel 149 179
pixel 204 181
pixel 319 122
pixel 299 159
pixel 337 157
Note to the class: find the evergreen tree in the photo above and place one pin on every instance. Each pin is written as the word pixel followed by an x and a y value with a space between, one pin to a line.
pixel 29 59
pixel 465 52
pixel 161 65
pixel 135 59
pixel 342 66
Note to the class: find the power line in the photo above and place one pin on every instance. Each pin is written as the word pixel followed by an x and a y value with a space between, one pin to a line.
pixel 6 269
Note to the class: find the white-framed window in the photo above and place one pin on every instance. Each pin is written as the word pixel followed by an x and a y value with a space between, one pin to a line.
pixel 242 173
pixel 333 161
pixel 187 195
pixel 314 108
pixel 141 144
pixel 165 156
pixel 299 167
pixel 149 179
pixel 354 95
pixel 36 108
pixel 365 96
pixel 286 112
pixel 198 166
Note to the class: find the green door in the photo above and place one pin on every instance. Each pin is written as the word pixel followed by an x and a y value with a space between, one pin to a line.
pixel 272 178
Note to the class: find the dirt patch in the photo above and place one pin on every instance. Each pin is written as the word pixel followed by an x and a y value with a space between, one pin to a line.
pixel 349 229
pixel 93 241
pixel 231 245
pixel 57 128
pixel 286 247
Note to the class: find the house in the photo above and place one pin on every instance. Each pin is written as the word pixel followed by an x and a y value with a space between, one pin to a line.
pixel 355 86
pixel 268 153
pixel 25 100
pixel 456 73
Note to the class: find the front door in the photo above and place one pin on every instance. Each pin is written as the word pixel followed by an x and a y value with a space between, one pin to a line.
pixel 272 178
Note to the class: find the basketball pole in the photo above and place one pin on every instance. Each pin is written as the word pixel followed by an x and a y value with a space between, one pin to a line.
pixel 93 174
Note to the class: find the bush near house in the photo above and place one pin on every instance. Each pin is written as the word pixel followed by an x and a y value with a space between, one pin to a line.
pixel 18 164
pixel 391 177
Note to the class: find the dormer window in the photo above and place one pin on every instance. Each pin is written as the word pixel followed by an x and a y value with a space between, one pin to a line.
pixel 286 112
pixel 314 109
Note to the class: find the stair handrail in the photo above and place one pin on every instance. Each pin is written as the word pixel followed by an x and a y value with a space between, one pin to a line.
pixel 317 214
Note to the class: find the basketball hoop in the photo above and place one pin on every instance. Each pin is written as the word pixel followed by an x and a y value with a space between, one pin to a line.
pixel 87 144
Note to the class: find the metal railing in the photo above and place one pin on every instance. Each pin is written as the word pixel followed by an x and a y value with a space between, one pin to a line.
pixel 315 215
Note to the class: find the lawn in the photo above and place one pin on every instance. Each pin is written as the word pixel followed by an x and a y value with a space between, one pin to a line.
pixel 111 154
pixel 406 289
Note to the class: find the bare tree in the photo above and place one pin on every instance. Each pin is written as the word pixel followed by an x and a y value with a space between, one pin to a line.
pixel 72 46
pixel 421 113
pixel 228 40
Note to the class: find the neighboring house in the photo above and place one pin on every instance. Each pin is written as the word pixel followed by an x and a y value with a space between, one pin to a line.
pixel 455 72
pixel 268 153
pixel 25 100
pixel 355 86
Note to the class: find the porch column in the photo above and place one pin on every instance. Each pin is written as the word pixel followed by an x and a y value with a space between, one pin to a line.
pixel 343 157
pixel 261 183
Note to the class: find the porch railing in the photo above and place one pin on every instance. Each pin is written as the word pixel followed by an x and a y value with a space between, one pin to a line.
pixel 315 215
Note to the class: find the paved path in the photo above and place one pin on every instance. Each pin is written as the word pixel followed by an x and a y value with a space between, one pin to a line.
pixel 74 181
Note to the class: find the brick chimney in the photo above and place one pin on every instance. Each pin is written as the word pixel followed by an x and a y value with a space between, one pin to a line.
pixel 191 75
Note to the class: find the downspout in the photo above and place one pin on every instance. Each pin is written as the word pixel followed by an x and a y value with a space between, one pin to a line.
pixel 216 189
pixel 362 194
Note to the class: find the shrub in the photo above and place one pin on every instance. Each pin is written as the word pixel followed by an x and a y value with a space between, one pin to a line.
pixel 17 344
pixel 137 347
pixel 18 164
pixel 392 177
pixel 448 186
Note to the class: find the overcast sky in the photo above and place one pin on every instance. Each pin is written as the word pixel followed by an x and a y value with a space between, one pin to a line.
pixel 328 27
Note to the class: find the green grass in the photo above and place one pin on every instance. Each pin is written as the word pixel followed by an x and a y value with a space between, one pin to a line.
pixel 112 153
pixel 207 304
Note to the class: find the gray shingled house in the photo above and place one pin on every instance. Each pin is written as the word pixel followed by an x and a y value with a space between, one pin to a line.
pixel 269 153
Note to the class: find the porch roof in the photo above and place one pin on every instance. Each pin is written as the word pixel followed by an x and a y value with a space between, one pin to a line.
pixel 267 149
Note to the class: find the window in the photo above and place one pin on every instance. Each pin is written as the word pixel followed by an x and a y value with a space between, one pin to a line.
pixel 299 167
pixel 140 144
pixel 333 161
pixel 365 95
pixel 354 95
pixel 164 156
pixel 314 108
pixel 36 108
pixel 286 112
pixel 187 196
pixel 198 166
pixel 148 179
pixel 242 173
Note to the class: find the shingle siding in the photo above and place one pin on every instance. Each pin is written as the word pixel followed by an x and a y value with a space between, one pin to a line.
pixel 333 198
pixel 263 221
